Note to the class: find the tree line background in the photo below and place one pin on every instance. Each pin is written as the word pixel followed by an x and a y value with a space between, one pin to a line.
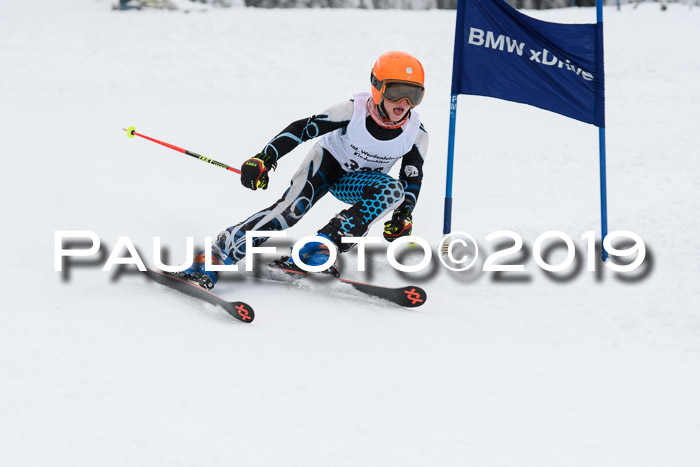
pixel 429 4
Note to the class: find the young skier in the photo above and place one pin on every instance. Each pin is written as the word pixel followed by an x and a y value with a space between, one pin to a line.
pixel 360 140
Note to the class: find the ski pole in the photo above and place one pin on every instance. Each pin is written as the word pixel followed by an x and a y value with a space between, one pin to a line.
pixel 131 132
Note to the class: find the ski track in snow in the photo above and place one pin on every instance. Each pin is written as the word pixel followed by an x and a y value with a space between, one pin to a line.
pixel 110 370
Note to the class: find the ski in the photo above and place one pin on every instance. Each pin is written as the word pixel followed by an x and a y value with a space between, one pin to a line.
pixel 239 310
pixel 409 296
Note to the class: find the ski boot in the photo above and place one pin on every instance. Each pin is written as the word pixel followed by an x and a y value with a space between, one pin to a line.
pixel 312 254
pixel 196 273
pixel 206 280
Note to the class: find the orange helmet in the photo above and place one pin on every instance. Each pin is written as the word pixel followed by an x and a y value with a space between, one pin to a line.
pixel 397 76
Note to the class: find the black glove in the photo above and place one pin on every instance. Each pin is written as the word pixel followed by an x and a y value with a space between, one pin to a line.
pixel 254 172
pixel 400 225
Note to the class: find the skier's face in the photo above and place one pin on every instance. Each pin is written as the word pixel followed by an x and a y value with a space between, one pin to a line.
pixel 396 110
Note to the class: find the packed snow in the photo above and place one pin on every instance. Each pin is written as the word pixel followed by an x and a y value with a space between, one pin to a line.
pixel 513 369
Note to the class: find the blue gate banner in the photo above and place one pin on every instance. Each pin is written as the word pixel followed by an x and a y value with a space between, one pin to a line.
pixel 502 53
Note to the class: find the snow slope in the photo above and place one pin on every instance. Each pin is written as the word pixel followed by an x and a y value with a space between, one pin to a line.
pixel 110 370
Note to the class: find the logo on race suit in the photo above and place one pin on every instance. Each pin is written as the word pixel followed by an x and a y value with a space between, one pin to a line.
pixel 411 171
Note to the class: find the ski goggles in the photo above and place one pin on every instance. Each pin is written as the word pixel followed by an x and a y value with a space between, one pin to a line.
pixel 396 91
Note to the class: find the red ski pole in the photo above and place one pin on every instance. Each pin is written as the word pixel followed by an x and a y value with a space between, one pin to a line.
pixel 131 132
